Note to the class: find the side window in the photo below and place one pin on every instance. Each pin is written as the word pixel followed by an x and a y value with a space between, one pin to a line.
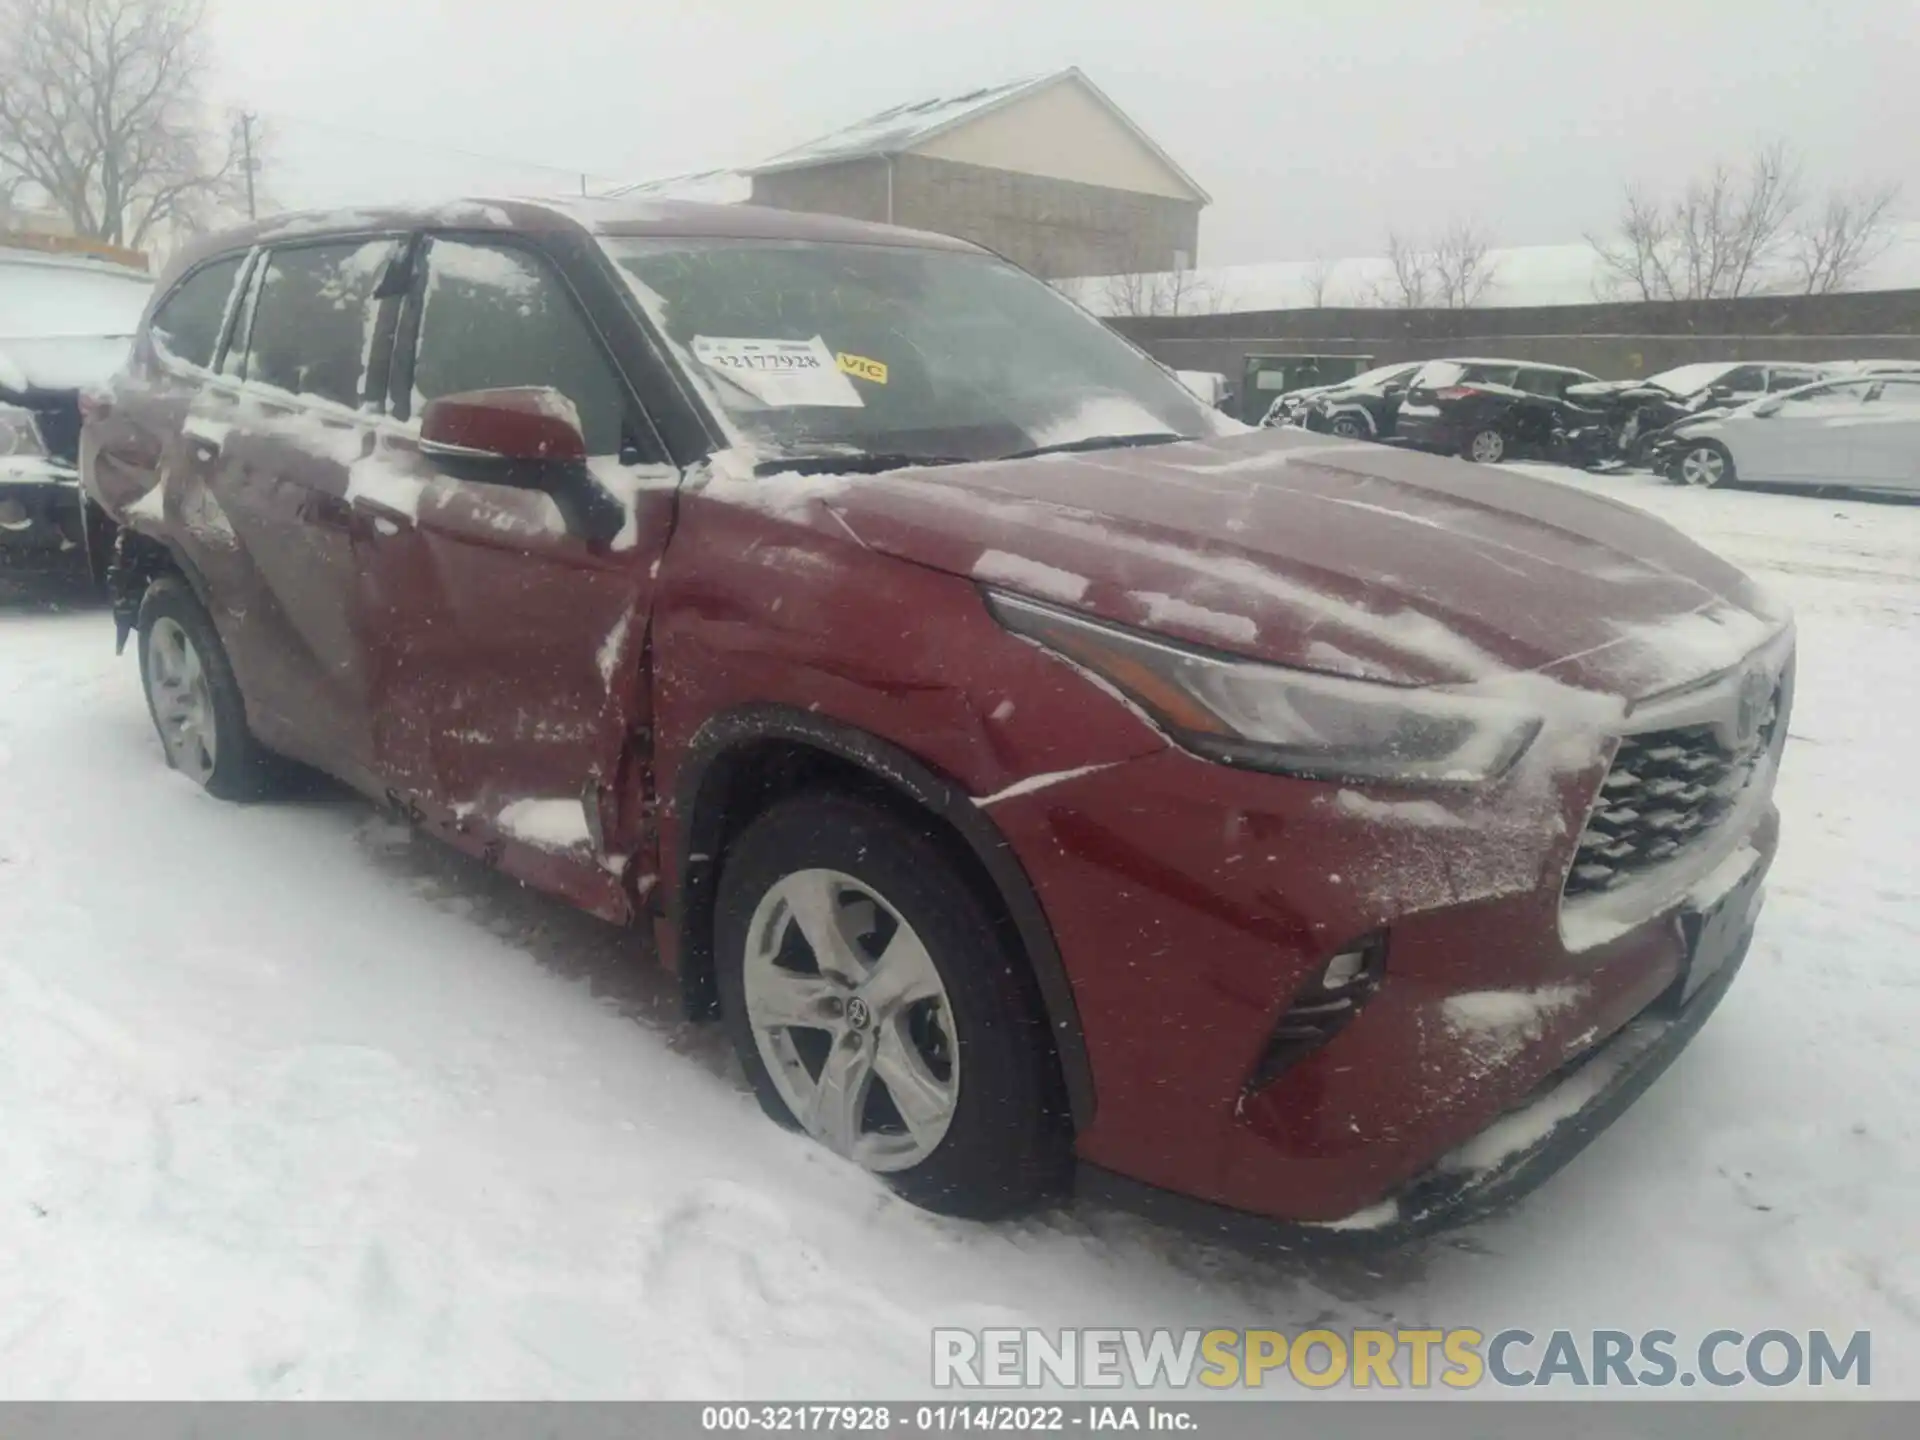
pixel 1779 380
pixel 315 318
pixel 187 325
pixel 1490 374
pixel 492 316
pixel 1742 380
pixel 1542 382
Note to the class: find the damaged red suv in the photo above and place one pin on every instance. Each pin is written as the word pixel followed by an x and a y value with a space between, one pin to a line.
pixel 1046 781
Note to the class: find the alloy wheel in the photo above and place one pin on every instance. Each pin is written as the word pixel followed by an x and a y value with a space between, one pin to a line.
pixel 1488 447
pixel 1704 466
pixel 1347 428
pixel 851 1019
pixel 182 701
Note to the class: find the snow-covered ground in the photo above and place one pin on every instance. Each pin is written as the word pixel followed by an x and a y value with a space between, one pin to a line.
pixel 294 1105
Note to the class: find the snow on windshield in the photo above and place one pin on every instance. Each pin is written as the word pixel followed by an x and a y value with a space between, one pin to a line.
pixel 41 299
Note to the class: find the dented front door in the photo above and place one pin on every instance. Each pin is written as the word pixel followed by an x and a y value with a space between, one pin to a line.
pixel 506 652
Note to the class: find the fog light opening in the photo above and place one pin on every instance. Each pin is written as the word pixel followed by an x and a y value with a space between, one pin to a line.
pixel 1322 1008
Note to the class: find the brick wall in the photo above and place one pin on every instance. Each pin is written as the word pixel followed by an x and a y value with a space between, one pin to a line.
pixel 1613 341
pixel 1052 227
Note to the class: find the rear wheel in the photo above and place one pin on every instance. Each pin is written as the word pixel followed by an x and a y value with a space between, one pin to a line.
pixel 193 698
pixel 1487 445
pixel 1703 464
pixel 877 1007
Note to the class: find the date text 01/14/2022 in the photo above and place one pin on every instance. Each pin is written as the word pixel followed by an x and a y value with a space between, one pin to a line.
pixel 937 1419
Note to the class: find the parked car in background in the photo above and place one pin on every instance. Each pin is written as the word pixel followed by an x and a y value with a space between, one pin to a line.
pixel 1363 408
pixel 1487 410
pixel 66 320
pixel 1860 433
pixel 1019 809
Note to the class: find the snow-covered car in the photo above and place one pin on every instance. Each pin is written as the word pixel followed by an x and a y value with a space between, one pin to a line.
pixel 1861 433
pixel 65 323
pixel 1639 412
pixel 1045 780
pixel 1363 408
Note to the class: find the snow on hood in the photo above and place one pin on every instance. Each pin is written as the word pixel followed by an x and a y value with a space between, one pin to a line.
pixel 1354 558
pixel 62 362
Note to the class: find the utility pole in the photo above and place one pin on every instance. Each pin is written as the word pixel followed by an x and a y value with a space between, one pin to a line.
pixel 247 118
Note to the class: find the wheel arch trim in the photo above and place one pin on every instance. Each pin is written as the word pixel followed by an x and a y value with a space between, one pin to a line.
pixel 697 806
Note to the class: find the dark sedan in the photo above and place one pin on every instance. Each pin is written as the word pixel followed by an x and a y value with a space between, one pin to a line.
pixel 1486 410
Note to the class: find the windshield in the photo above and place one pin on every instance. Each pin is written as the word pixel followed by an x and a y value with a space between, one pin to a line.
pixel 1685 379
pixel 44 300
pixel 812 348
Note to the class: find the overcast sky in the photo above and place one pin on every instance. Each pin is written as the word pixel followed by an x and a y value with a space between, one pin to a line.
pixel 1316 124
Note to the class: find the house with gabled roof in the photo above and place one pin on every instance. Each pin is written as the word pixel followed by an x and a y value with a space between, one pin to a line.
pixel 1047 171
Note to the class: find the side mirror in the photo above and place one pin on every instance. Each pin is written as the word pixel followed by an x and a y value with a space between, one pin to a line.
pixel 525 436
pixel 529 424
pixel 1721 392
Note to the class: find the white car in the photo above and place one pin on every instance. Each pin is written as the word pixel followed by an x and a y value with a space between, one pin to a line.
pixel 1863 433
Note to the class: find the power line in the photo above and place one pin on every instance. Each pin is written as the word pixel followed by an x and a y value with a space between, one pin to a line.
pixel 415 143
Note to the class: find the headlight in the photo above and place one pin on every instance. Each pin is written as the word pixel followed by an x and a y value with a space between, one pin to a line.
pixel 19 433
pixel 1293 722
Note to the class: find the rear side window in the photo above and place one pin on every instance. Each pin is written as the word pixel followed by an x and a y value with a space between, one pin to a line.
pixel 1490 374
pixel 188 323
pixel 1439 375
pixel 1544 382
pixel 315 318
pixel 494 315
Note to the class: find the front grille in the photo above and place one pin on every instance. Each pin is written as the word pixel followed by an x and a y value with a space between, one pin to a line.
pixel 1666 790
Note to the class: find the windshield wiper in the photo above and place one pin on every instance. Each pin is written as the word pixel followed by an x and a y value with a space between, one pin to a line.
pixel 854 463
pixel 1101 442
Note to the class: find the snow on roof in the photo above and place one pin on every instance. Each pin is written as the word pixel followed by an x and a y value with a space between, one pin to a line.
pixel 904 126
pixel 1523 275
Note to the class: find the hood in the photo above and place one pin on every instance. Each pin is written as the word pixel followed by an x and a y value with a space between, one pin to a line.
pixel 1343 557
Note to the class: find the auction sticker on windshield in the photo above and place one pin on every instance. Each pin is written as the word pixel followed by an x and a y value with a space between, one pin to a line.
pixel 779 372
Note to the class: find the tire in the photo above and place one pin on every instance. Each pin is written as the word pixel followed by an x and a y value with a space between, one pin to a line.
pixel 1487 445
pixel 974 1060
pixel 193 698
pixel 1349 427
pixel 1703 465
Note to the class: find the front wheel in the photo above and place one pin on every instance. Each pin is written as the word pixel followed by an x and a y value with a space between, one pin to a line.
pixel 1349 427
pixel 1703 464
pixel 876 1006
pixel 1487 446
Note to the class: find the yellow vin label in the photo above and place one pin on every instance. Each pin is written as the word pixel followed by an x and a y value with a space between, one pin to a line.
pixel 861 368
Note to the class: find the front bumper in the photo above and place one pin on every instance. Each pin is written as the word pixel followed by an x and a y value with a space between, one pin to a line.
pixel 1529 1144
pixel 1187 951
pixel 40 518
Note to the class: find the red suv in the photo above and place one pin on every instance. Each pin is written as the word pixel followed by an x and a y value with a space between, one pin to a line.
pixel 1045 779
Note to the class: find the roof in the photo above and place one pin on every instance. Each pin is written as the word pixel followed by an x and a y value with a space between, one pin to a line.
pixel 600 215
pixel 897 130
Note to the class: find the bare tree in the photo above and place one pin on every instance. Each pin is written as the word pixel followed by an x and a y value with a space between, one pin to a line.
pixel 1319 280
pixel 1720 238
pixel 1162 292
pixel 1462 267
pixel 1410 269
pixel 100 108
pixel 1452 271
pixel 1831 248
